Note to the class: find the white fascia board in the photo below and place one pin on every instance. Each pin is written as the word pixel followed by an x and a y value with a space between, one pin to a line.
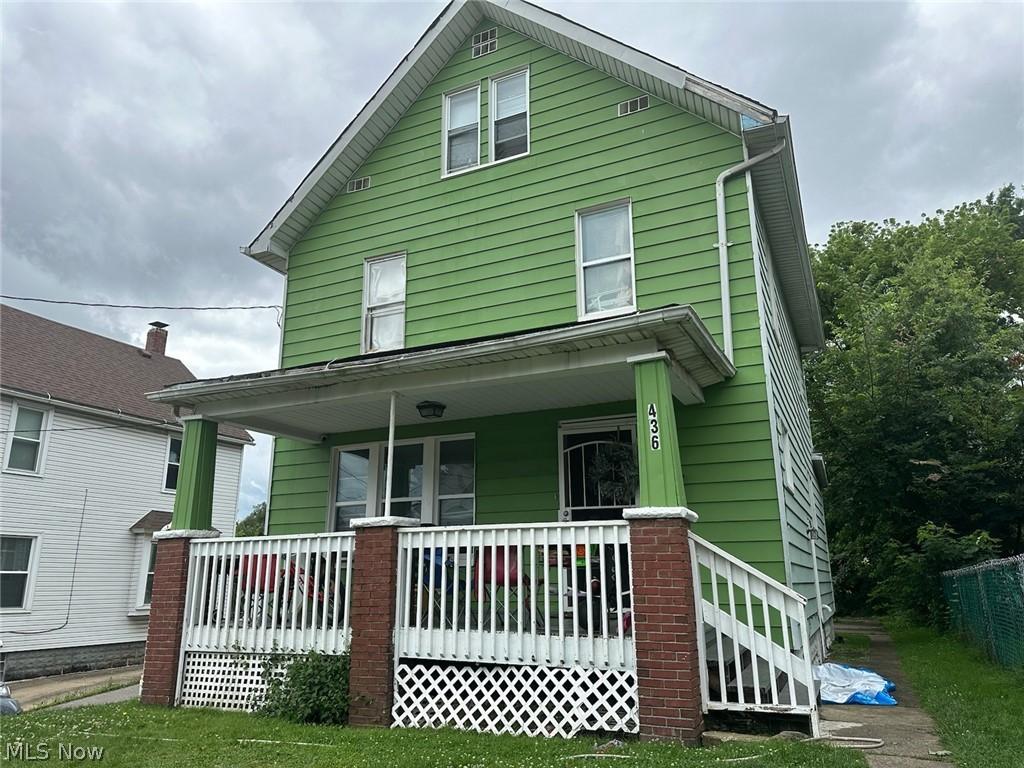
pixel 190 393
pixel 275 255
pixel 263 245
pixel 163 425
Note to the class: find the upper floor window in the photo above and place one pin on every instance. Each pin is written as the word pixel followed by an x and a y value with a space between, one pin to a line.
pixel 384 304
pixel 510 116
pixel 604 260
pixel 15 571
pixel 462 129
pixel 27 439
pixel 173 463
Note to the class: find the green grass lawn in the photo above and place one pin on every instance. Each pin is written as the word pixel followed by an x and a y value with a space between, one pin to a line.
pixel 978 706
pixel 140 737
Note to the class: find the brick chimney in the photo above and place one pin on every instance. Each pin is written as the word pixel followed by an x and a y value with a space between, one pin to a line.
pixel 156 339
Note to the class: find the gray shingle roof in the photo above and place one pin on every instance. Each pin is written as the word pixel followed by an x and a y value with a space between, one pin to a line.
pixel 43 357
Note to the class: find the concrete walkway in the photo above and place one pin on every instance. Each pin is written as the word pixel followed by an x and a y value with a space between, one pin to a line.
pixel 40 691
pixel 116 696
pixel 907 730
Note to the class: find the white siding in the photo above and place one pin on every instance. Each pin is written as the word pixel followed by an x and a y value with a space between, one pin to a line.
pixel 122 469
pixel 802 502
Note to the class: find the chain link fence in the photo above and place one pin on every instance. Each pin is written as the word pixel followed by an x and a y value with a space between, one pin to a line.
pixel 986 605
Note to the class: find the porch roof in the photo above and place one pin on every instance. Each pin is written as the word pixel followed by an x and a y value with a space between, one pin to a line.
pixel 577 364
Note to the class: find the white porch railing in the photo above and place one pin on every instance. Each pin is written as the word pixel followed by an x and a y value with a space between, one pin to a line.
pixel 275 594
pixel 536 594
pixel 756 657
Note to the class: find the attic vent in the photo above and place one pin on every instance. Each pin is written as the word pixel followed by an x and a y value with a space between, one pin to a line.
pixel 485 42
pixel 357 185
pixel 634 105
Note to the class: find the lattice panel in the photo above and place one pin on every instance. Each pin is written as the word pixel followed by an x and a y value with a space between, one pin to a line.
pixel 514 699
pixel 226 680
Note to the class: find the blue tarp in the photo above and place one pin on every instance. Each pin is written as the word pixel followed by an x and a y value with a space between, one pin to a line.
pixel 843 684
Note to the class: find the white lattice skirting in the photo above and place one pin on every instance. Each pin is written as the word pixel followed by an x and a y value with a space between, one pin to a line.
pixel 514 699
pixel 226 680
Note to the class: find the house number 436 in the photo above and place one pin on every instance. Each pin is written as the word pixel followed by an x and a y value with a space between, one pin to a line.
pixel 652 424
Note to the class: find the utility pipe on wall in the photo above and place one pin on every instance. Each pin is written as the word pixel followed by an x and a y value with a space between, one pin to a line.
pixel 723 238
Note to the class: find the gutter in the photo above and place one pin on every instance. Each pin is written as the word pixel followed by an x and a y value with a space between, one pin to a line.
pixel 723 239
pixel 321 375
pixel 116 416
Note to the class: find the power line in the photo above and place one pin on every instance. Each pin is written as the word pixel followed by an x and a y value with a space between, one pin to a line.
pixel 80 429
pixel 136 306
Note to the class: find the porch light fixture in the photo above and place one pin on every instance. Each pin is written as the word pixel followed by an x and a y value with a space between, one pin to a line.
pixel 429 409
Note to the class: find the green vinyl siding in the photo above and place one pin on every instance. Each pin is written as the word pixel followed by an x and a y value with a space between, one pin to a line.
pixel 493 251
pixel 802 503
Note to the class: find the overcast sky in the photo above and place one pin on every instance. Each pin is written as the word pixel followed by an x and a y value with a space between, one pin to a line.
pixel 142 144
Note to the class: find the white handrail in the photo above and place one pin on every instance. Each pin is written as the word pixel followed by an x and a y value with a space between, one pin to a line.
pixel 754 654
pixel 269 594
pixel 548 594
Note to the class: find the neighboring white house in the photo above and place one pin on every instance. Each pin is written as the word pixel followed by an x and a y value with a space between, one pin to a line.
pixel 88 468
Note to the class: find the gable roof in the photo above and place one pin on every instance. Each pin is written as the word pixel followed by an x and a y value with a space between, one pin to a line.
pixel 729 110
pixel 48 359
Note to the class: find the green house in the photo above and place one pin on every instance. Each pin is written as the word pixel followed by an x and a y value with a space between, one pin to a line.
pixel 560 277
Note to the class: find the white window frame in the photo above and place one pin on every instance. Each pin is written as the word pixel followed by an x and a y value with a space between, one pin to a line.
pixel 142 572
pixel 581 297
pixel 491 112
pixel 624 422
pixel 44 427
pixel 365 335
pixel 167 463
pixel 429 503
pixel 33 568
pixel 445 99
pixel 786 453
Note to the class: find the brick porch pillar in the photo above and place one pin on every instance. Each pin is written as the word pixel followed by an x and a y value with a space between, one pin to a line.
pixel 372 618
pixel 665 628
pixel 167 615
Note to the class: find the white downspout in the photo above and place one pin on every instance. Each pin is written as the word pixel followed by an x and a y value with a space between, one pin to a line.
pixel 391 456
pixel 812 536
pixel 723 239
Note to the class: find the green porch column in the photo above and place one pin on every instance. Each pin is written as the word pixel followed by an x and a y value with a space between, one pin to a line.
pixel 661 474
pixel 193 501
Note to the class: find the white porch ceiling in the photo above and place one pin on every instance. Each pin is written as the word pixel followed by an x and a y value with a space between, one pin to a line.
pixel 581 364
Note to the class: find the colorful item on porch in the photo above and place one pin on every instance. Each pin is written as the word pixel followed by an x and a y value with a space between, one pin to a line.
pixel 843 684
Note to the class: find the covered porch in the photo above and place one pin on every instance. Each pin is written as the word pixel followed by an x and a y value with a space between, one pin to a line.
pixel 490 431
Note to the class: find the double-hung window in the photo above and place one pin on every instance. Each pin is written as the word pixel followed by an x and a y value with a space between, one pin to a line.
pixel 510 116
pixel 604 260
pixel 173 463
pixel 148 565
pixel 384 304
pixel 462 129
pixel 15 571
pixel 456 482
pixel 25 447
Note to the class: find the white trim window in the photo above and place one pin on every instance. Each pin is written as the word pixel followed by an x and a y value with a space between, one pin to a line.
pixel 172 464
pixel 433 479
pixel 147 570
pixel 462 129
pixel 509 129
pixel 26 443
pixel 384 303
pixel 605 279
pixel 17 567
pixel 786 451
pixel 597 472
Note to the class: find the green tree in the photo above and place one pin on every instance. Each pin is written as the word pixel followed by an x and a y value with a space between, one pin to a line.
pixel 916 399
pixel 252 524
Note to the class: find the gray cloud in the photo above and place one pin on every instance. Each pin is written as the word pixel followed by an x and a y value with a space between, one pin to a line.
pixel 143 143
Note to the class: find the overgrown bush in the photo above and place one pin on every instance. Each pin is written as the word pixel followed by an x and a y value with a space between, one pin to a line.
pixel 910 577
pixel 314 689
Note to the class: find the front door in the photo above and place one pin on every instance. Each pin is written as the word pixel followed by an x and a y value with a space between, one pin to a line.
pixel 599 469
